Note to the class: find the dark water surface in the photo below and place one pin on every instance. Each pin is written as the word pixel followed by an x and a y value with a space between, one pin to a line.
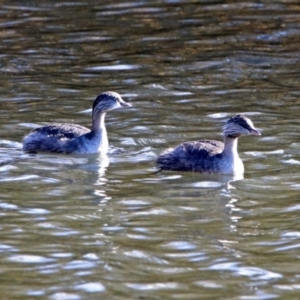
pixel 80 227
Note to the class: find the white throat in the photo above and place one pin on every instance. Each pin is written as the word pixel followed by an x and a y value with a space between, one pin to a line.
pixel 234 163
pixel 230 147
pixel 99 139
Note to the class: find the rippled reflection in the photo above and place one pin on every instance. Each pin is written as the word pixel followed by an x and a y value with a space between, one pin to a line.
pixel 82 227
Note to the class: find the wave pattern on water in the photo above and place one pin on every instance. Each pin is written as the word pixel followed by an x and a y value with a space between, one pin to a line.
pixel 77 227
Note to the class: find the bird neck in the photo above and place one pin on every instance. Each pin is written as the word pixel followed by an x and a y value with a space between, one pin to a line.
pixel 98 125
pixel 230 146
pixel 98 135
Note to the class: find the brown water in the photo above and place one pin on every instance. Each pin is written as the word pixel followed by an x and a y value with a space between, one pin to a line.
pixel 78 227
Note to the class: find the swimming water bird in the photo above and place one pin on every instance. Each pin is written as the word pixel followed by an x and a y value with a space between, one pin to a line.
pixel 72 138
pixel 208 155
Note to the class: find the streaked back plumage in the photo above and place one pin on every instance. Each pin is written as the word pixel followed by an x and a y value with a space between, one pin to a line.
pixel 209 155
pixel 73 138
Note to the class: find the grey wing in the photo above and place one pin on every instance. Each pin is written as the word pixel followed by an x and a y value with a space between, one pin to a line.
pixel 56 138
pixel 203 148
pixel 190 156
pixel 68 131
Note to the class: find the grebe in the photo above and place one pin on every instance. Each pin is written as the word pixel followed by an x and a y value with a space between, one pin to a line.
pixel 208 155
pixel 72 138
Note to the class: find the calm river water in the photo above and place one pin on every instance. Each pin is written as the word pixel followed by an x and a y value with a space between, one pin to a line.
pixel 81 227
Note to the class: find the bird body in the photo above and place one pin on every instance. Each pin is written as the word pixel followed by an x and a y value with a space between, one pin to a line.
pixel 72 138
pixel 208 155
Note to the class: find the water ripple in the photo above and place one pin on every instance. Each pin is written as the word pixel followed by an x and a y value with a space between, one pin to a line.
pixel 91 287
pixel 254 272
pixel 152 286
pixel 31 259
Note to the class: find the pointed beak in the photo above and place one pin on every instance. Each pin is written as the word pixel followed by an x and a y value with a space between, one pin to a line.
pixel 125 104
pixel 255 132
